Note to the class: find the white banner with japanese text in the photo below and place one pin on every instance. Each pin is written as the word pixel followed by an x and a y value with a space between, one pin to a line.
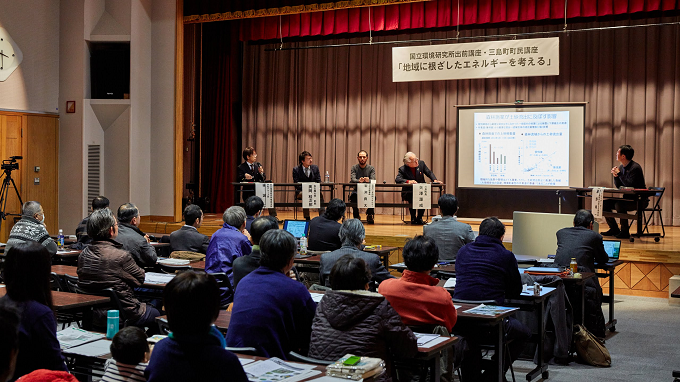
pixel 266 192
pixel 310 195
pixel 492 59
pixel 598 198
pixel 422 196
pixel 366 195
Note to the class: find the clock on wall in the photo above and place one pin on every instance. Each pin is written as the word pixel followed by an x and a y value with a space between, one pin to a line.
pixel 10 55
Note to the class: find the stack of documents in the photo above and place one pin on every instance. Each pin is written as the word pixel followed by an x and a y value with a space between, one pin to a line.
pixel 275 369
pixel 72 337
pixel 168 261
pixel 157 278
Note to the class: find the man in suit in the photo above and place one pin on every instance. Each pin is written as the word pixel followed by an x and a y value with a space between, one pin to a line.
pixel 188 238
pixel 447 233
pixel 352 234
pixel 251 171
pixel 413 171
pixel 323 230
pixel 133 239
pixel 305 171
pixel 362 173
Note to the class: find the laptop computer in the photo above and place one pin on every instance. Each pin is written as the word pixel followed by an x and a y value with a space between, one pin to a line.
pixel 297 228
pixel 613 249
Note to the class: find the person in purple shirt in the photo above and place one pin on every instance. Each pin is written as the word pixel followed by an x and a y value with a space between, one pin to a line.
pixel 27 279
pixel 272 312
pixel 228 243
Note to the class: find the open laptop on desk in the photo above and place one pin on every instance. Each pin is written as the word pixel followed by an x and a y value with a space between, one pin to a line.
pixel 613 249
pixel 297 228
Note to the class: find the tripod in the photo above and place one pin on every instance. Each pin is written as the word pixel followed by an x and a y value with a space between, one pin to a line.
pixel 3 193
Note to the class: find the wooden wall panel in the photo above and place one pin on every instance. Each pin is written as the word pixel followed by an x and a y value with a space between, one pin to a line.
pixel 41 150
pixel 10 135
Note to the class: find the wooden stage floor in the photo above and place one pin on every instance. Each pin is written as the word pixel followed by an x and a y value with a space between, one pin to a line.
pixel 647 268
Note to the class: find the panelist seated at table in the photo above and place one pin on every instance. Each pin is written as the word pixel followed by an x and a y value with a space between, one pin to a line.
pixel 449 234
pixel 351 320
pixel 27 274
pixel 627 174
pixel 485 270
pixel 585 245
pixel 105 264
pixel 272 313
pixel 416 296
pixel 251 171
pixel 187 238
pixel 323 230
pixel 306 172
pixel 132 238
pixel 81 231
pixel 413 171
pixel 362 172
pixel 195 351
pixel 352 235
pixel 31 227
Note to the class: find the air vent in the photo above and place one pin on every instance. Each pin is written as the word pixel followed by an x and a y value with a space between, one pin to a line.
pixel 93 172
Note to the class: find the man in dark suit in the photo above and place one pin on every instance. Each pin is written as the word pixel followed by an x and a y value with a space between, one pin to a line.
pixel 352 234
pixel 188 238
pixel 413 171
pixel 132 238
pixel 323 230
pixel 304 172
pixel 251 171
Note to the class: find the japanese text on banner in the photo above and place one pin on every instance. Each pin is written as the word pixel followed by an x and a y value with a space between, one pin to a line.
pixel 366 195
pixel 598 197
pixel 422 196
pixel 311 195
pixel 266 192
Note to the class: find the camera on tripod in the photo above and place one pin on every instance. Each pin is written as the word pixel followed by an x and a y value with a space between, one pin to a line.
pixel 11 163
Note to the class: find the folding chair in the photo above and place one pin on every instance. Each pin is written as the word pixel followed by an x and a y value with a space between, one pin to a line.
pixel 656 207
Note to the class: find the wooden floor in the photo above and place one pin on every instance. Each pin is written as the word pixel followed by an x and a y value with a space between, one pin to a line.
pixel 647 268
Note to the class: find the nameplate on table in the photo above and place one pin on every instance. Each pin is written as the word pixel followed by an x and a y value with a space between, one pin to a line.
pixel 266 192
pixel 366 195
pixel 422 196
pixel 311 195
pixel 598 198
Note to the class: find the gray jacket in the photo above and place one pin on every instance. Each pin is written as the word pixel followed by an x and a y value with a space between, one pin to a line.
pixel 134 242
pixel 328 260
pixel 450 235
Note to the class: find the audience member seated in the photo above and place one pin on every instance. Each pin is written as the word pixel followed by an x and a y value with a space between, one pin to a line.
pixel 253 207
pixel 9 332
pixel 194 351
pixel 323 229
pixel 272 312
pixel 31 227
pixel 485 270
pixel 447 232
pixel 44 375
pixel 585 245
pixel 81 231
pixel 132 238
pixel 227 244
pixel 105 264
pixel 27 280
pixel 246 264
pixel 352 234
pixel 188 238
pixel 416 296
pixel 130 352
pixel 350 319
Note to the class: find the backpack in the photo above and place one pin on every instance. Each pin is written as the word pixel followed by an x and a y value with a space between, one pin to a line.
pixel 590 349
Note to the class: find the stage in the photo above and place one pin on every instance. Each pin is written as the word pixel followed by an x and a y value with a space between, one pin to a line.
pixel 647 265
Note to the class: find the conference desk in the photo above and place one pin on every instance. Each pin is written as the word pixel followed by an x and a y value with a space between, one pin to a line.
pixel 639 196
pixel 609 299
pixel 348 188
pixel 61 270
pixel 284 188
pixel 72 302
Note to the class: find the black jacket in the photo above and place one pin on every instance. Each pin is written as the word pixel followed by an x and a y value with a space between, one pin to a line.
pixel 188 239
pixel 134 242
pixel 405 174
pixel 300 177
pixel 323 234
pixel 246 264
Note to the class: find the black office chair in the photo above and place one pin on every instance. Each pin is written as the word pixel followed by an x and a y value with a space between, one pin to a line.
pixel 63 317
pixel 165 250
pixel 655 207
pixel 114 303
pixel 55 282
pixel 301 358
pixel 223 282
pixel 163 326
pixel 71 283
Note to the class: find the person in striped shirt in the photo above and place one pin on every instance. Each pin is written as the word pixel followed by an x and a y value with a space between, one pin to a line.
pixel 130 353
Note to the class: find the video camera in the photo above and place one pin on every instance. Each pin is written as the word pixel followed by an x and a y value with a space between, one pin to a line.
pixel 11 163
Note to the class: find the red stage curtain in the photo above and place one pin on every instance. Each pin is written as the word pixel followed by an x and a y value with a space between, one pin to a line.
pixel 221 113
pixel 439 14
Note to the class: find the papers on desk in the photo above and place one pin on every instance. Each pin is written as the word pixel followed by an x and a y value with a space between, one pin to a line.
pixel 72 337
pixel 317 297
pixel 399 265
pixel 450 283
pixel 173 261
pixel 424 338
pixel 157 278
pixel 275 369
pixel 93 349
pixel 489 310
pixel 245 361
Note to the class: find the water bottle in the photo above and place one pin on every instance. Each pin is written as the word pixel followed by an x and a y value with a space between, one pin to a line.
pixel 327 177
pixel 60 240
pixel 303 245
pixel 111 323
pixel 573 266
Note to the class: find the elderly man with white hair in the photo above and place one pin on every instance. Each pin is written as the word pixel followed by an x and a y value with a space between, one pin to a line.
pixel 413 171
pixel 31 227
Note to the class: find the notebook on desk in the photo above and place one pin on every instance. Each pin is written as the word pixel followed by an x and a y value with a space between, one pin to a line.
pixel 613 248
